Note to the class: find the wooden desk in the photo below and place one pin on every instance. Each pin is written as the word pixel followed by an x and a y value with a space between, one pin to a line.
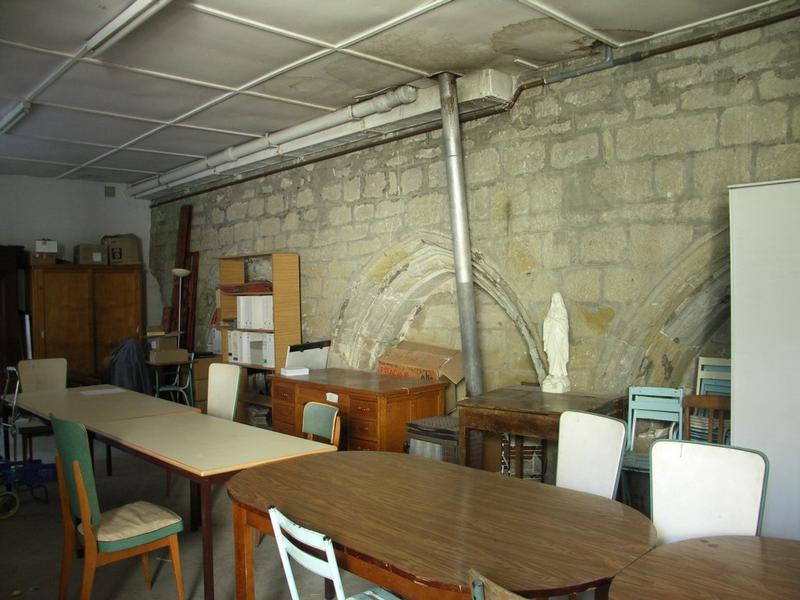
pixel 374 408
pixel 525 410
pixel 746 568
pixel 204 449
pixel 415 525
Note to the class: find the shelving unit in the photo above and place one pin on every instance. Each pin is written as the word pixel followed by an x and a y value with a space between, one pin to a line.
pixel 283 270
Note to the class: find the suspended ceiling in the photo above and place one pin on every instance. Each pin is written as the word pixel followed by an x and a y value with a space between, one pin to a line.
pixel 194 78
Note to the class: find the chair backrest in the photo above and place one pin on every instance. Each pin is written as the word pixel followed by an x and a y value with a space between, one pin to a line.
pixel 72 443
pixel 656 403
pixel 590 449
pixel 713 376
pixel 322 420
pixel 706 418
pixel 700 489
pixel 328 568
pixel 223 390
pixel 42 374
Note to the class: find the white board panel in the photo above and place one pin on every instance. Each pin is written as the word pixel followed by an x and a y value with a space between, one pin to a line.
pixel 765 340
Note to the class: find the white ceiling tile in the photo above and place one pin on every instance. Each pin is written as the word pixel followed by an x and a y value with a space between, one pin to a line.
pixel 144 161
pixel 59 123
pixel 33 169
pixel 252 114
pixel 107 175
pixel 102 88
pixel 64 25
pixel 23 147
pixel 188 43
pixel 190 141
pixel 328 21
pixel 335 80
pixel 21 70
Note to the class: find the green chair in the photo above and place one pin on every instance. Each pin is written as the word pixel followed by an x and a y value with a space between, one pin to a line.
pixel 130 530
pixel 322 421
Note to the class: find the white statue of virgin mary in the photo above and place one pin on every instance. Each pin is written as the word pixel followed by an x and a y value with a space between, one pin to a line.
pixel 555 334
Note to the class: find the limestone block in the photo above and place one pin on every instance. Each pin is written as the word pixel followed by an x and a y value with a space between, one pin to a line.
pixel 366 248
pixel 777 162
pixel 248 191
pixel 583 285
pixel 637 88
pixel 363 212
pixel 796 122
pixel 411 180
pixel 602 245
pixel 574 151
pixel 522 255
pixel 226 236
pixel 771 86
pixel 432 152
pixel 628 182
pixel 304 198
pixel 236 212
pixel 339 215
pixel 753 124
pixel 332 192
pixel 309 217
pixel 437 175
pixel 299 240
pixel 721 94
pixel 656 244
pixel 290 222
pixel 255 207
pixel 601 118
pixel 546 107
pixel 660 137
pixel 740 40
pixel 481 166
pixel 555 252
pixel 217 216
pixel 762 56
pixel 386 208
pixel 426 211
pixel 275 204
pixel 623 284
pixel 683 76
pixel 712 208
pixel 374 185
pixel 590 96
pixel 518 159
pixel 592 320
pixel 714 170
pixel 670 176
pixel 645 109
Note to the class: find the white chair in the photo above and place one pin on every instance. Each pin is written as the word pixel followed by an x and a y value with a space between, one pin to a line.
pixel 328 568
pixel 700 489
pixel 590 449
pixel 223 390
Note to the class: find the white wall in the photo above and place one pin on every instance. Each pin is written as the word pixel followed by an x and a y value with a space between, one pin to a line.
pixel 765 337
pixel 73 212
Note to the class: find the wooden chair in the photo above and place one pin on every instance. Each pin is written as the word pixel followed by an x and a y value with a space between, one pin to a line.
pixel 322 421
pixel 38 375
pixel 700 489
pixel 713 376
pixel 287 532
pixel 707 418
pixel 130 530
pixel 590 449
pixel 485 589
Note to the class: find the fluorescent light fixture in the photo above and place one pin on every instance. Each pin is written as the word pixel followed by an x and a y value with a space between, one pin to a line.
pixel 14 115
pixel 121 25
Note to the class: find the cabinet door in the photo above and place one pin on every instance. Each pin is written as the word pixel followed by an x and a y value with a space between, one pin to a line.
pixel 117 309
pixel 62 317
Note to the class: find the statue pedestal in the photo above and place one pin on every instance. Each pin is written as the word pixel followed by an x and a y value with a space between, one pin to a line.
pixel 556 384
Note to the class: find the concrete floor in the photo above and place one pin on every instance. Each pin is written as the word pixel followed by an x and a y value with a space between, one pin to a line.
pixel 31 544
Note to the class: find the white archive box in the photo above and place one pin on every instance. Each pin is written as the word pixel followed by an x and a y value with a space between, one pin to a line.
pixel 254 312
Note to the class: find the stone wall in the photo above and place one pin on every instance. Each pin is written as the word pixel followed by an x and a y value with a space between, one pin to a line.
pixel 610 188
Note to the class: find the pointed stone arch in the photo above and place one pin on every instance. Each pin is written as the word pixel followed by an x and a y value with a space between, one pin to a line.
pixel 394 286
pixel 658 345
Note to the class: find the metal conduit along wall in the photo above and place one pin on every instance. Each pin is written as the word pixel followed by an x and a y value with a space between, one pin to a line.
pixel 459 220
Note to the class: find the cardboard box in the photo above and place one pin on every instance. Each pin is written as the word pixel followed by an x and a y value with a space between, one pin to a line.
pixel 422 361
pixel 164 341
pixel 45 245
pixel 43 258
pixel 90 254
pixel 171 356
pixel 125 249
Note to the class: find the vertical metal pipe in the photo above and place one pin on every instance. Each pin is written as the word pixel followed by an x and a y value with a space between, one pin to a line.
pixel 459 221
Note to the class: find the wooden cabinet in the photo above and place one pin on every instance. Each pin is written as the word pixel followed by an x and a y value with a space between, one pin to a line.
pixel 374 408
pixel 83 312
pixel 283 271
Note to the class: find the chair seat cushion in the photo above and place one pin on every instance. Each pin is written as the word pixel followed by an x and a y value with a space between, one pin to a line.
pixel 134 524
pixel 375 594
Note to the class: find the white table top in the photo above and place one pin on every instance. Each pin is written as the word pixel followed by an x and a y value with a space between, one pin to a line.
pixel 98 403
pixel 206 445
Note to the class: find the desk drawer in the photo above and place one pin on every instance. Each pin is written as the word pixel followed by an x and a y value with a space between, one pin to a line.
pixel 359 444
pixel 363 408
pixel 283 412
pixel 283 393
pixel 364 429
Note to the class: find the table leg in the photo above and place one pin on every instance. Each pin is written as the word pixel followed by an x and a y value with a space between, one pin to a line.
pixel 195 519
pixel 601 591
pixel 519 443
pixel 463 450
pixel 243 555
pixel 208 541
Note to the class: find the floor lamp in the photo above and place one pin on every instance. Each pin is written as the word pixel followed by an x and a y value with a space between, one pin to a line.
pixel 180 274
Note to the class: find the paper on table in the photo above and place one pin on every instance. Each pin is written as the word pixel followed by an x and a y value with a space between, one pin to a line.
pixel 103 391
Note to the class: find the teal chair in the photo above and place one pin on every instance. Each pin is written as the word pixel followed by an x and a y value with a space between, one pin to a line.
pixel 713 376
pixel 130 530
pixel 322 421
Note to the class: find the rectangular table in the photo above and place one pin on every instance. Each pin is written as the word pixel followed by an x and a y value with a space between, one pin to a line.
pixel 204 449
pixel 525 410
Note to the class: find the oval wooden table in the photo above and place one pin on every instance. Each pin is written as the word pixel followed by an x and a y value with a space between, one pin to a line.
pixel 415 525
pixel 741 567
